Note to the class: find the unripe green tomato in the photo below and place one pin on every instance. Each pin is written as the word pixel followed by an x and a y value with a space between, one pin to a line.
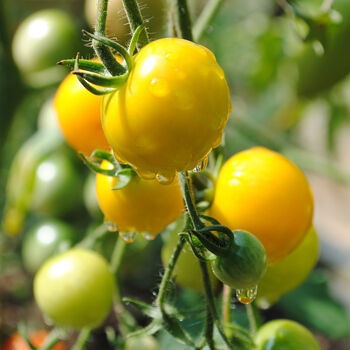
pixel 285 335
pixel 144 342
pixel 318 73
pixel 57 186
pixel 187 272
pixel 75 289
pixel 41 40
pixel 153 11
pixel 284 276
pixel 45 239
pixel 243 266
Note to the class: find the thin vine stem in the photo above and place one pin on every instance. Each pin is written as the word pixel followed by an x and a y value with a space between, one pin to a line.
pixel 253 318
pixel 83 337
pixel 102 51
pixel 135 20
pixel 205 18
pixel 168 272
pixel 226 303
pixel 184 20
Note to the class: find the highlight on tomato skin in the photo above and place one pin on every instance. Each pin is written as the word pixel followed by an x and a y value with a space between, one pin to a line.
pixel 263 192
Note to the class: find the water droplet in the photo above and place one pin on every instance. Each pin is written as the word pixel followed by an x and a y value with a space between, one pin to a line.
pixel 149 236
pixel 247 296
pixel 165 179
pixel 110 225
pixel 159 87
pixel 127 237
pixel 145 174
pixel 202 165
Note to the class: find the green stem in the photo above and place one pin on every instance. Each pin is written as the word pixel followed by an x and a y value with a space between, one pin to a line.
pixel 82 339
pixel 168 272
pixel 205 18
pixel 226 303
pixel 125 319
pixel 191 210
pixel 135 19
pixel 253 318
pixel 184 20
pixel 89 241
pixel 102 51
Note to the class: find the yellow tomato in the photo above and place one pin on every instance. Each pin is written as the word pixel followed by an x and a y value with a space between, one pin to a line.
pixel 143 205
pixel 172 110
pixel 261 191
pixel 286 275
pixel 79 116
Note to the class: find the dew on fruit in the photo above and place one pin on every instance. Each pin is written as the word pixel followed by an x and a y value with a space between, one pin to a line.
pixel 202 165
pixel 110 225
pixel 127 237
pixel 165 179
pixel 145 174
pixel 149 236
pixel 247 296
pixel 159 87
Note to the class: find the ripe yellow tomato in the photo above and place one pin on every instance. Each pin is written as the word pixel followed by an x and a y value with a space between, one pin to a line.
pixel 172 110
pixel 261 191
pixel 143 205
pixel 287 274
pixel 79 116
pixel 153 11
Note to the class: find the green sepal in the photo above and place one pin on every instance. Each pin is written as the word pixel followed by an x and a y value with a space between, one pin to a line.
pixel 148 310
pixel 124 178
pixel 114 45
pixel 88 65
pixel 103 155
pixel 94 90
pixel 101 80
pixel 96 168
pixel 135 39
pixel 152 328
pixel 196 246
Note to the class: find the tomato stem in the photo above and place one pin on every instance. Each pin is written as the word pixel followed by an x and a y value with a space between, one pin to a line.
pixel 135 19
pixel 226 303
pixel 253 318
pixel 184 20
pixel 83 337
pixel 103 52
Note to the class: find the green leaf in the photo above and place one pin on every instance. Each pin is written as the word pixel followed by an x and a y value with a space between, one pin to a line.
pixel 313 305
pixel 147 309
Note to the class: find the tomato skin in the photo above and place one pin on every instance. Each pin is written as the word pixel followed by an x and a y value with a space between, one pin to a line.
pixel 244 264
pixel 286 335
pixel 171 111
pixel 41 40
pixel 143 205
pixel 45 239
pixel 37 338
pixel 75 289
pixel 57 186
pixel 78 112
pixel 287 274
pixel 261 191
pixel 153 11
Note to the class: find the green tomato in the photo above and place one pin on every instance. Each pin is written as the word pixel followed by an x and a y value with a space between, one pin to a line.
pixel 243 266
pixel 319 73
pixel 41 40
pixel 117 23
pixel 75 289
pixel 45 239
pixel 57 187
pixel 285 335
pixel 144 342
pixel 284 276
pixel 187 272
